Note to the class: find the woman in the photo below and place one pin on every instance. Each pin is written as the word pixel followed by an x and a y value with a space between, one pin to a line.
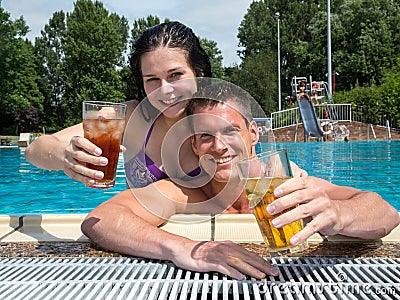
pixel 164 55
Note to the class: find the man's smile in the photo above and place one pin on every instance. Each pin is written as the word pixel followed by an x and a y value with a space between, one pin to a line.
pixel 223 160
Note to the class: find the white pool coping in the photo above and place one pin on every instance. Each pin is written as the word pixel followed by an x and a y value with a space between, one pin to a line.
pixel 241 228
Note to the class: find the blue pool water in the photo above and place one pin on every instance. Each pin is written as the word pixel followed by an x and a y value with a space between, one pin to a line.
pixel 25 189
pixel 373 166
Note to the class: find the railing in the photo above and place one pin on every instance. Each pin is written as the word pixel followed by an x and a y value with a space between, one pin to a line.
pixel 371 128
pixel 388 133
pixel 378 118
pixel 336 113
pixel 292 117
pixel 285 118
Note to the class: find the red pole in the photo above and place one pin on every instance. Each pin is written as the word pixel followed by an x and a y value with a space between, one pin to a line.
pixel 334 82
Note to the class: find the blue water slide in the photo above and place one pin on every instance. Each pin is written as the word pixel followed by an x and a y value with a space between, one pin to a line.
pixel 309 117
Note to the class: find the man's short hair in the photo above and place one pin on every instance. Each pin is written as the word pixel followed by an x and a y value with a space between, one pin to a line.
pixel 222 92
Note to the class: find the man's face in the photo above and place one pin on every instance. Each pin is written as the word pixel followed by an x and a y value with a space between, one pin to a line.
pixel 221 139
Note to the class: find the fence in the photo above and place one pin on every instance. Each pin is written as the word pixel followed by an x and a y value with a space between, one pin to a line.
pixel 336 112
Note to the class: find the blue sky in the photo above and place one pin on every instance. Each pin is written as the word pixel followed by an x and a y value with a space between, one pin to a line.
pixel 217 20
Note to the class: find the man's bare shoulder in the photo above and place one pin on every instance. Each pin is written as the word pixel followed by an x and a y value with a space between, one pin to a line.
pixel 177 191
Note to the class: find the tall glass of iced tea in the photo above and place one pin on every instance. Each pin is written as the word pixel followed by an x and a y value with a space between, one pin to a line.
pixel 103 125
pixel 261 175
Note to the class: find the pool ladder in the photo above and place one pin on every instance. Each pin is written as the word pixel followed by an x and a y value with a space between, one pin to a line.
pixel 388 133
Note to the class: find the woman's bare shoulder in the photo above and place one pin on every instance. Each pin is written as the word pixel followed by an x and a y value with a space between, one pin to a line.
pixel 130 106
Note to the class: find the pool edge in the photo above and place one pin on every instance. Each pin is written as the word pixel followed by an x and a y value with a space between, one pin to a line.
pixel 241 228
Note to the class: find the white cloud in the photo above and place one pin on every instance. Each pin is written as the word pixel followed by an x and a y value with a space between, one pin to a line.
pixel 212 19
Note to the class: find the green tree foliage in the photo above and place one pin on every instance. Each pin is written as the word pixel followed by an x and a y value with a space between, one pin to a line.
pixel 82 55
pixel 215 55
pixel 20 98
pixel 390 94
pixel 257 29
pixel 302 40
pixel 50 53
pixel 93 44
pixel 370 42
pixel 377 103
pixel 364 35
pixel 254 77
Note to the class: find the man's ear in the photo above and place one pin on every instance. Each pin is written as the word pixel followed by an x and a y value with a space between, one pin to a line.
pixel 193 141
pixel 254 133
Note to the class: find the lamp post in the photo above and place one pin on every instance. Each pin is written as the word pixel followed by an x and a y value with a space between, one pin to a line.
pixel 277 15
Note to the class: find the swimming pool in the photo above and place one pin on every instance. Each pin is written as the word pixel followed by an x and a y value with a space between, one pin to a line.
pixel 370 166
pixel 25 189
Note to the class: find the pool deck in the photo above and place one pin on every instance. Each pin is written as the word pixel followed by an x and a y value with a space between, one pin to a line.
pixel 60 236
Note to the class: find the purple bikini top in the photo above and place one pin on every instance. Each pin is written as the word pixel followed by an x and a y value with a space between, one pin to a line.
pixel 140 170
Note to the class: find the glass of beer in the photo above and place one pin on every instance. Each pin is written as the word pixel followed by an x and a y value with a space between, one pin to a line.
pixel 261 175
pixel 103 125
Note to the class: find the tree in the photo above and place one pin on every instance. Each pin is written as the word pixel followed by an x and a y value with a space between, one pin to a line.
pixel 370 42
pixel 256 78
pixel 94 45
pixel 18 78
pixel 257 29
pixel 215 55
pixel 140 25
pixel 50 53
pixel 377 104
pixel 388 94
pixel 298 34
pixel 365 38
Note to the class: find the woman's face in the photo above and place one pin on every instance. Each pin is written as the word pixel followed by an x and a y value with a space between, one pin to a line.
pixel 167 80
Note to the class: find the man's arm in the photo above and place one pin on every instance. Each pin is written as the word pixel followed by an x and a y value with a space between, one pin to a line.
pixel 127 223
pixel 333 209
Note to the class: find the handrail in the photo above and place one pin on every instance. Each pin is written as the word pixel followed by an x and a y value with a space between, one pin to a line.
pixel 291 117
pixel 373 131
pixel 337 113
pixel 285 118
pixel 388 133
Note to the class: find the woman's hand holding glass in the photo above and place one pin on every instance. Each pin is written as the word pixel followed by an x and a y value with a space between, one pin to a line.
pixel 78 153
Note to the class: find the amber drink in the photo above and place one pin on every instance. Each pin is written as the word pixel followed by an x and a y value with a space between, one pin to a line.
pixel 262 174
pixel 103 125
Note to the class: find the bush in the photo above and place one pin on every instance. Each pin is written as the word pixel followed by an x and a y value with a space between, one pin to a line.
pixel 379 103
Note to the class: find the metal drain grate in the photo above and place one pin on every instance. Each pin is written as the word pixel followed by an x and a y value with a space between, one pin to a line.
pixel 130 278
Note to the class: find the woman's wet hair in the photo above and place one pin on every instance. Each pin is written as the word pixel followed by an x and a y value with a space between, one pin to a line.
pixel 171 35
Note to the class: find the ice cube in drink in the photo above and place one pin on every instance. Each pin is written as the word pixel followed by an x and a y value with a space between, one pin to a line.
pixel 106 134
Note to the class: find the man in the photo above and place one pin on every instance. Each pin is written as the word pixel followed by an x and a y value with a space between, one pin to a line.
pixel 223 134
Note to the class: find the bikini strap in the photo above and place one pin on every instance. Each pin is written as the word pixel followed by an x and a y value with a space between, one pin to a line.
pixel 149 133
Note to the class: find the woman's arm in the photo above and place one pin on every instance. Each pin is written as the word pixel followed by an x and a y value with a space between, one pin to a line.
pixel 48 151
pixel 68 150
